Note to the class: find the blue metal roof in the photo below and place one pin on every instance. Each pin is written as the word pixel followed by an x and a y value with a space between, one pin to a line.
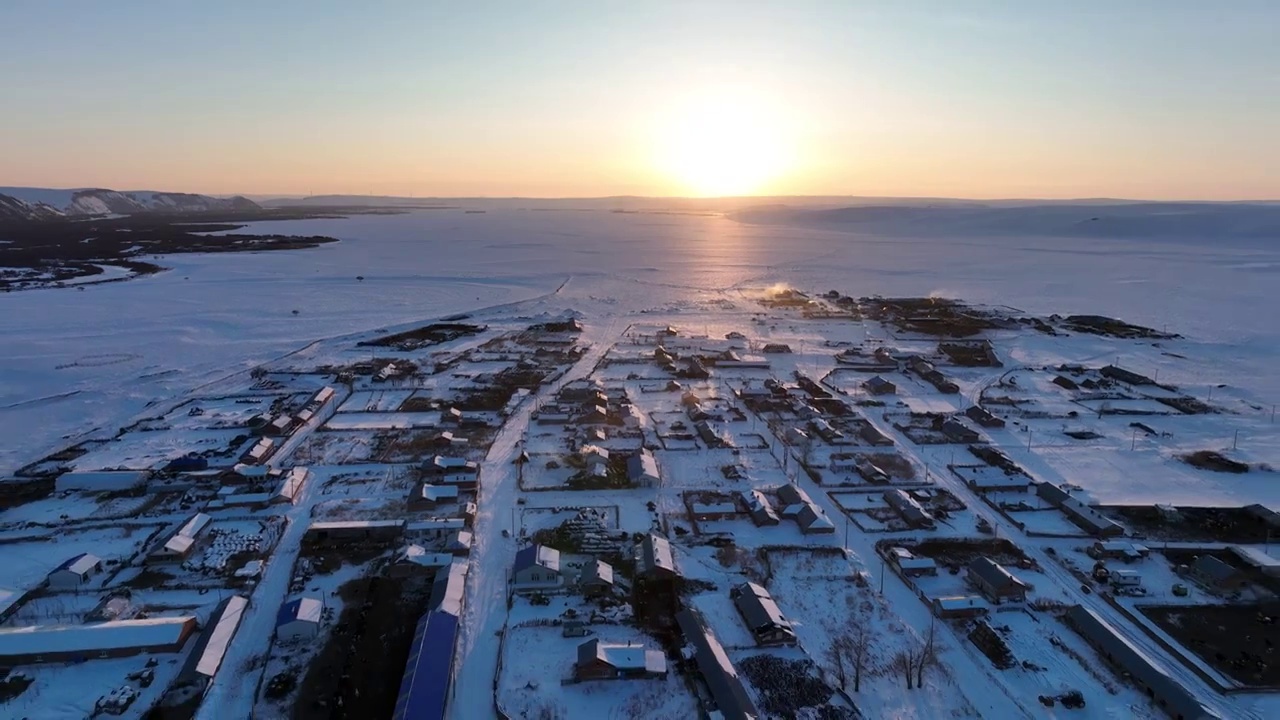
pixel 288 612
pixel 424 689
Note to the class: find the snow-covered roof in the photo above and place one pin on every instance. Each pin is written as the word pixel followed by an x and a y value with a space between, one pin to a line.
pixel 194 526
pixel 418 555
pixel 962 602
pixel 355 524
pixel 436 493
pixel 219 636
pixel 656 555
pixel 92 637
pixel 447 590
pixel 539 555
pixel 80 564
pixel 1255 557
pixel 993 573
pixel 642 465
pixel 594 452
pixel 8 598
pixel 630 656
pixel 758 607
pixel 597 571
pixel 452 464
pixel 292 484
pixel 303 609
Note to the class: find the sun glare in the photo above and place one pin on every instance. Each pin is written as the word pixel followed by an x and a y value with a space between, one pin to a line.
pixel 724 145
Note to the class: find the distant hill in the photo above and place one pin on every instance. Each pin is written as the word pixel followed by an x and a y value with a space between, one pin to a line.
pixel 19 203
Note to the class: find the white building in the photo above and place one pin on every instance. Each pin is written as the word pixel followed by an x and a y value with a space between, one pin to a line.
pixel 75 572
pixel 299 619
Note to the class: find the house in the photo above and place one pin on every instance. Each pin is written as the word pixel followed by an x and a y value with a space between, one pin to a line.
pixel 709 435
pixel 291 485
pixel 877 385
pixel 813 521
pixel 957 431
pixel 958 607
pixel 614 661
pixel 1163 689
pixel 593 415
pixel 537 568
pixel 1217 575
pixel 75 572
pixel 415 560
pixel 710 511
pixel 460 543
pixel 1065 382
pixel 775 348
pixel 180 544
pixel 299 619
pixel 580 391
pixel 1118 550
pixel 440 466
pixel 827 431
pixel 911 566
pixel 279 425
pixel 716 669
pixel 258 453
pixel 871 436
pixel 759 507
pixel 995 582
pixel 983 417
pixel 655 560
pixel 1255 558
pixel 452 416
pixel 428 496
pixel 76 643
pixel 795 437
pixel 596 578
pixel 1127 377
pixel 206 657
pixel 596 458
pixel 909 508
pixel 642 469
pixel 761 614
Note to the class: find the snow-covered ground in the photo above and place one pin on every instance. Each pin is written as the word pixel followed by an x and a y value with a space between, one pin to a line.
pixel 76 361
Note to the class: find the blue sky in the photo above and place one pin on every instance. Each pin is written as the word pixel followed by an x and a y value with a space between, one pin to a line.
pixel 976 99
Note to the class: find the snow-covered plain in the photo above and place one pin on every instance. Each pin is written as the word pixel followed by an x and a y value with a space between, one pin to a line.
pixel 75 360
pixel 80 361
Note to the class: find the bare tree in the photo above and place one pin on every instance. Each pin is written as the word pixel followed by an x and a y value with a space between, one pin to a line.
pixel 927 656
pixel 835 655
pixel 858 642
pixel 904 661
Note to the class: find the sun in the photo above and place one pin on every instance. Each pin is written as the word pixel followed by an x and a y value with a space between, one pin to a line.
pixel 723 144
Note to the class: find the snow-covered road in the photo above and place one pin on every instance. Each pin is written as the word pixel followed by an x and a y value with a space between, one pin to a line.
pixel 492 553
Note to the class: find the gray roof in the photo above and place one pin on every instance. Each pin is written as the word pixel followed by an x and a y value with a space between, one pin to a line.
pixel 1179 701
pixel 759 609
pixel 993 573
pixel 1215 569
pixel 656 556
pixel 597 571
pixel 93 637
pixel 792 495
pixel 716 668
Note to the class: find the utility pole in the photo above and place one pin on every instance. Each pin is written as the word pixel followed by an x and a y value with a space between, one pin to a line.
pixel 1028 439
pixel 882 576
pixel 1133 444
pixel 1235 441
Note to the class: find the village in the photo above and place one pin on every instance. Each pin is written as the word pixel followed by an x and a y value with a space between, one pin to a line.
pixel 784 504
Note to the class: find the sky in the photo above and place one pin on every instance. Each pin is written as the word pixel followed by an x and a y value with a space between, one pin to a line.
pixel 1160 99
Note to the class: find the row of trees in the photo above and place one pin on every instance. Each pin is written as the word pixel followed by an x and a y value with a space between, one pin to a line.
pixel 850 648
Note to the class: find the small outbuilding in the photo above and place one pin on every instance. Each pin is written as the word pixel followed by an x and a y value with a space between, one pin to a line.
pixel 75 572
pixel 299 619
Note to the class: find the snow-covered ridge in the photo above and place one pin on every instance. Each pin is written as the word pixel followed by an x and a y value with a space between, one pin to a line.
pixel 43 203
